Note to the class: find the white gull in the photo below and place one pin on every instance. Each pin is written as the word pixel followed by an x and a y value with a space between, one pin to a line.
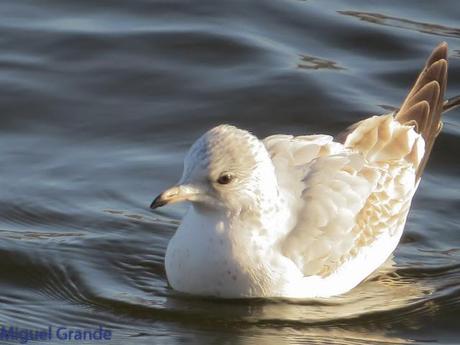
pixel 305 216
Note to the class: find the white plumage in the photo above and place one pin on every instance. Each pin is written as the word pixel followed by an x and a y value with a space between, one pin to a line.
pixel 302 216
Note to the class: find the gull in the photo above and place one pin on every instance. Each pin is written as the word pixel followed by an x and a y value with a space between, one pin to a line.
pixel 302 216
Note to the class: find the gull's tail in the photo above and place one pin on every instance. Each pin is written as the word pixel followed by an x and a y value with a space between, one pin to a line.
pixel 425 103
pixel 377 140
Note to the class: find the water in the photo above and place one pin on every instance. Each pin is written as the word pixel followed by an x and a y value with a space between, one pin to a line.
pixel 99 102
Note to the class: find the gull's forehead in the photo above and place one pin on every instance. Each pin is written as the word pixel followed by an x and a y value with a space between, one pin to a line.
pixel 224 147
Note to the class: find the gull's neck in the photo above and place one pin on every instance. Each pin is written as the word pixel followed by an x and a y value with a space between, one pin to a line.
pixel 265 217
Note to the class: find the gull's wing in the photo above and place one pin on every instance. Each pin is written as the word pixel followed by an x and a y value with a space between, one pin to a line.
pixel 347 197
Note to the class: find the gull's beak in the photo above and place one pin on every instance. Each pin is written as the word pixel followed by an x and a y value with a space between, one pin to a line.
pixel 175 194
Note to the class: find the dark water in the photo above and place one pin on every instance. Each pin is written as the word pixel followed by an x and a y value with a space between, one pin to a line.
pixel 99 100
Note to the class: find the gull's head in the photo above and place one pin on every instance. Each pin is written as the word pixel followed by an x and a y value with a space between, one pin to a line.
pixel 226 168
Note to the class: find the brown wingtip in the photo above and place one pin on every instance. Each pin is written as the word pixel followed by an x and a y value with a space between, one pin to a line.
pixel 440 52
pixel 428 90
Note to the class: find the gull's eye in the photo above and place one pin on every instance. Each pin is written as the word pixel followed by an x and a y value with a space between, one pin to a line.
pixel 225 178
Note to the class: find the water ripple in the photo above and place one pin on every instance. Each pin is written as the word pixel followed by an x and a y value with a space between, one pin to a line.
pixel 100 102
pixel 402 23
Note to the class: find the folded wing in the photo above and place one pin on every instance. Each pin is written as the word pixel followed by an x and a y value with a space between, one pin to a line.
pixel 347 195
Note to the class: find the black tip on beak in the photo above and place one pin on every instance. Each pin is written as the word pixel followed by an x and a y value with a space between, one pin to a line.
pixel 158 202
pixel 169 196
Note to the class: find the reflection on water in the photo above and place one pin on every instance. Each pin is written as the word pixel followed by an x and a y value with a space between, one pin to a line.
pixel 381 19
pixel 311 62
pixel 99 103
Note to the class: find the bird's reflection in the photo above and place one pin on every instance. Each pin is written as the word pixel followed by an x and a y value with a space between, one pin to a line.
pixel 348 319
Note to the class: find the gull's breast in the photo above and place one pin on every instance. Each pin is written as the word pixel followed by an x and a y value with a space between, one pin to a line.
pixel 203 259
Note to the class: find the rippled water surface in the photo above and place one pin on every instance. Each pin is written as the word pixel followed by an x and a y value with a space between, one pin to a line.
pixel 99 101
